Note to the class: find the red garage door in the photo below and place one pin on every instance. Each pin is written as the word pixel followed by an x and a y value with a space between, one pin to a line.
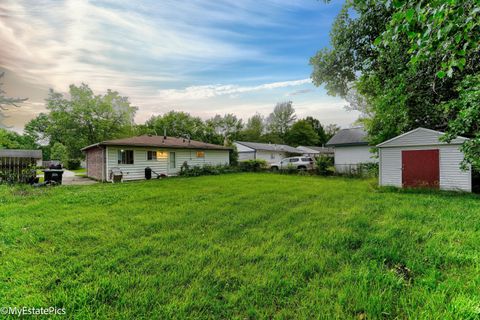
pixel 420 168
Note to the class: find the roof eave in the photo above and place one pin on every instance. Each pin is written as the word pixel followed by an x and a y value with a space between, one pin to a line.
pixel 353 144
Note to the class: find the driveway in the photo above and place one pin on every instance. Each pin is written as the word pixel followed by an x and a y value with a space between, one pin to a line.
pixel 69 178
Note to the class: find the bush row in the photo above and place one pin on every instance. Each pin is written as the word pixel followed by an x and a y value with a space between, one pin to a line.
pixel 324 167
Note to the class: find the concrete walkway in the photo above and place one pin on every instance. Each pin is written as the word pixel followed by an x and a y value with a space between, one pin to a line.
pixel 69 178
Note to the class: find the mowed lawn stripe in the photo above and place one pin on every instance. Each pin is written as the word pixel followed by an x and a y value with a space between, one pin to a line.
pixel 241 246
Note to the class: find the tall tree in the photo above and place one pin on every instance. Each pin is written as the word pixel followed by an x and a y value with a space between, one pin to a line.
pixel 254 129
pixel 302 133
pixel 83 118
pixel 318 128
pixel 330 131
pixel 5 102
pixel 13 140
pixel 405 58
pixel 228 126
pixel 281 119
pixel 177 124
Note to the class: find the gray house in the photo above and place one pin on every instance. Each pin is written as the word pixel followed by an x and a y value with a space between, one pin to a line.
pixel 269 152
pixel 314 151
pixel 351 148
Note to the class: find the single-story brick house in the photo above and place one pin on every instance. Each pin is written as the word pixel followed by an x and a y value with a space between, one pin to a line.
pixel 164 155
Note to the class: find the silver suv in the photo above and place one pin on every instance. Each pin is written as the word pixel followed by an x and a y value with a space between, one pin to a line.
pixel 300 163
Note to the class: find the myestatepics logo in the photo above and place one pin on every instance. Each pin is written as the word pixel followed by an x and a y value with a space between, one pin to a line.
pixel 25 311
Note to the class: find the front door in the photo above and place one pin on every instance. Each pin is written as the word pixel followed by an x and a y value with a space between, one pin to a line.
pixel 420 168
pixel 172 163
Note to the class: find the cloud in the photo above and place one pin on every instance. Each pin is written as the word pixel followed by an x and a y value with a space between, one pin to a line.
pixel 109 43
pixel 209 91
pixel 200 56
pixel 299 92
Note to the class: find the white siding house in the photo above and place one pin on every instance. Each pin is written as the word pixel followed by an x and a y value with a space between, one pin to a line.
pixel 269 152
pixel 164 155
pixel 350 149
pixel 397 170
pixel 314 151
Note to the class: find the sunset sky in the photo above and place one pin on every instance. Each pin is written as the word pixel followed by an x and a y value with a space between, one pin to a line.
pixel 202 57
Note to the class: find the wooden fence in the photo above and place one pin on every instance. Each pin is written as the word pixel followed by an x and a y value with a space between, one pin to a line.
pixel 15 169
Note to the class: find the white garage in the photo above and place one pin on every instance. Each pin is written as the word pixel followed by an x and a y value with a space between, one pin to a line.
pixel 419 159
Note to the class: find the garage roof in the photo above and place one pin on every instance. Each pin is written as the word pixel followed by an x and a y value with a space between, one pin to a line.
pixel 419 137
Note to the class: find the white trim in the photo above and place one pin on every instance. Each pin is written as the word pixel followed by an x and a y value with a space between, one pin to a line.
pixel 380 180
pixel 415 130
pixel 106 163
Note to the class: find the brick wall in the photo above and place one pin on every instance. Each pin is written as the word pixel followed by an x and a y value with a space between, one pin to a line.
pixel 95 163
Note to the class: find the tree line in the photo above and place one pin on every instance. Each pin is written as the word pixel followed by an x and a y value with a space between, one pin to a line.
pixel 406 64
pixel 81 118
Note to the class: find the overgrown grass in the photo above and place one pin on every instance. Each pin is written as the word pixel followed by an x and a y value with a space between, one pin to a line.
pixel 241 246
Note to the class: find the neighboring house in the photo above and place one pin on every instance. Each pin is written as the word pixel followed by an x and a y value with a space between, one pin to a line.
pixel 164 155
pixel 264 151
pixel 351 149
pixel 419 158
pixel 313 151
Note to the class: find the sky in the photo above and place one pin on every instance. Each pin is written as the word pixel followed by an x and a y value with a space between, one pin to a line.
pixel 199 56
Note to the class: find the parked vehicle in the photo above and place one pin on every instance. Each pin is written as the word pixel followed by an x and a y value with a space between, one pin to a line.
pixel 300 163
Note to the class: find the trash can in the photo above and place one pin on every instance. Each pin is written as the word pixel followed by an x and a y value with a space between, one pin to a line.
pixel 53 175
pixel 148 173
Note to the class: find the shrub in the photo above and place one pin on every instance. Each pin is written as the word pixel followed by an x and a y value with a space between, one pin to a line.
pixel 289 169
pixel 72 164
pixel 361 170
pixel 25 175
pixel 233 156
pixel 58 152
pixel 195 171
pixel 252 165
pixel 324 166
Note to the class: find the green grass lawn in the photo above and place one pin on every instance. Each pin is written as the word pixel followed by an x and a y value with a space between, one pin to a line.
pixel 241 246
pixel 80 172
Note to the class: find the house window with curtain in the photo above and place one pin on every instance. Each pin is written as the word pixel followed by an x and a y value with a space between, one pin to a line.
pixel 200 154
pixel 125 156
pixel 151 155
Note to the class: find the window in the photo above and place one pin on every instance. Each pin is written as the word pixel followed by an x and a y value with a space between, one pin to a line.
pixel 125 156
pixel 272 155
pixel 200 154
pixel 294 160
pixel 172 160
pixel 151 155
pixel 307 159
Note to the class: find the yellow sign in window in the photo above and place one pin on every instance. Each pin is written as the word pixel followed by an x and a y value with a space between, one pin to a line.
pixel 162 155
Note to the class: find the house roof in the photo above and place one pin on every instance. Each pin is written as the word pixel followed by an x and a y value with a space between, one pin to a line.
pixel 315 149
pixel 268 146
pixel 349 137
pixel 158 141
pixel 419 136
pixel 21 153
